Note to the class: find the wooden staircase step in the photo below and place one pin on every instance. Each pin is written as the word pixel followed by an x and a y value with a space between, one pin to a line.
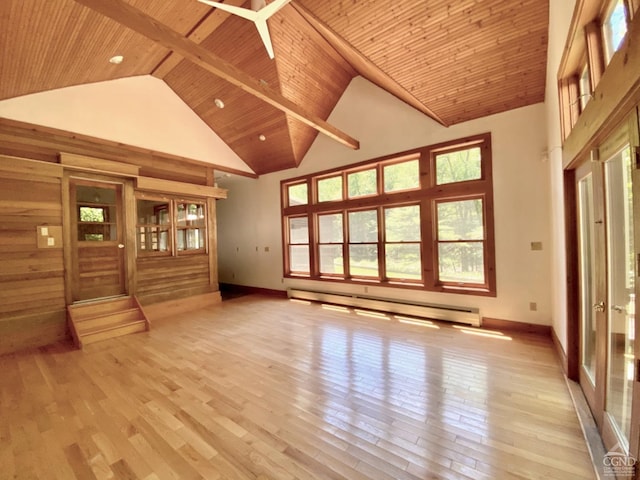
pixel 104 321
pixel 94 321
pixel 115 330
pixel 96 309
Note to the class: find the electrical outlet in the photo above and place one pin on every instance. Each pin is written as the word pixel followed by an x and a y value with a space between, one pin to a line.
pixel 533 306
pixel 536 245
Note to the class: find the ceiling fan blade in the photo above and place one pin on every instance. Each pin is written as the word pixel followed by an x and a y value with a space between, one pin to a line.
pixel 272 8
pixel 263 30
pixel 241 12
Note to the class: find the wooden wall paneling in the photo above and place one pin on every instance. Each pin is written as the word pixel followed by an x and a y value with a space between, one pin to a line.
pixel 34 330
pixel 178 306
pixel 165 278
pixel 44 143
pixel 32 287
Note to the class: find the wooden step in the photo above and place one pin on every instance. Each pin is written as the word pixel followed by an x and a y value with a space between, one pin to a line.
pixel 103 321
pixel 94 321
pixel 82 311
pixel 115 330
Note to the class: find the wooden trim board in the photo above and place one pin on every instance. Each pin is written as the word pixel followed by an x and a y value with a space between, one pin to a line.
pixel 169 186
pixel 181 305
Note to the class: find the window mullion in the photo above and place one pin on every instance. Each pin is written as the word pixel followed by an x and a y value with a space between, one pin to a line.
pixel 382 267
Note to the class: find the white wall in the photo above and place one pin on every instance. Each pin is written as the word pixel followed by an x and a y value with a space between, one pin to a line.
pixel 249 221
pixel 140 111
pixel 559 20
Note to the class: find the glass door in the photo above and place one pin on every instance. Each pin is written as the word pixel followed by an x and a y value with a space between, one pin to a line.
pixel 607 217
pixel 621 279
pixel 592 295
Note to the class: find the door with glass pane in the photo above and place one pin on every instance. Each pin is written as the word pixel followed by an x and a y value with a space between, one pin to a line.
pixel 592 285
pixel 607 218
pixel 97 239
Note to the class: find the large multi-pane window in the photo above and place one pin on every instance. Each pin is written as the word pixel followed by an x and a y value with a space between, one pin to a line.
pixel 167 226
pixel 421 219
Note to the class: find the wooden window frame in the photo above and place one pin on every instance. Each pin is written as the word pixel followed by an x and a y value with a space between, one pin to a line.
pixel 288 244
pixel 426 196
pixel 609 7
pixel 139 225
pixel 172 226
pixel 186 228
pixel 585 44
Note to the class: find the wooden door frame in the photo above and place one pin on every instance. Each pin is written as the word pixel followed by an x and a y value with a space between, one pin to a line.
pixel 128 224
pixel 632 126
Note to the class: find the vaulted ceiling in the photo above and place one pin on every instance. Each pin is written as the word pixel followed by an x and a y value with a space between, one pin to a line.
pixel 454 60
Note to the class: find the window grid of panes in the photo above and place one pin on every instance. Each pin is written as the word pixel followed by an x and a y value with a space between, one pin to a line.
pixel 421 220
pixel 166 227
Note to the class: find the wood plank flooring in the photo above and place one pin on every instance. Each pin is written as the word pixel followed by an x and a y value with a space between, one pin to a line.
pixel 267 388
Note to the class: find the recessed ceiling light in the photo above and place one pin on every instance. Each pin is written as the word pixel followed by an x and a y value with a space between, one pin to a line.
pixel 219 103
pixel 262 138
pixel 116 60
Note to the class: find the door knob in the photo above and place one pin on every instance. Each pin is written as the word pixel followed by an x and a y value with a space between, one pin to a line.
pixel 120 245
pixel 598 307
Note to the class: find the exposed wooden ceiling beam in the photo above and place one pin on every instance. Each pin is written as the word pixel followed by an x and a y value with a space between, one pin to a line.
pixel 140 22
pixel 364 66
pixel 205 27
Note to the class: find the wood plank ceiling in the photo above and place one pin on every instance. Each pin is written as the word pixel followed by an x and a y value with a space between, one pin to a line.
pixel 454 60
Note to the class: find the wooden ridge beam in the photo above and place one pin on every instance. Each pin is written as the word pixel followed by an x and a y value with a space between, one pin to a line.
pixel 140 22
pixel 364 66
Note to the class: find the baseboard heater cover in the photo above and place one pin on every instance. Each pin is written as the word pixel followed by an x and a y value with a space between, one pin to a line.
pixel 466 315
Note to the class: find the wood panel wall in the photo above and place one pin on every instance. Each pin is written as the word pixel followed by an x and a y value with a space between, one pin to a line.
pixel 168 278
pixel 32 289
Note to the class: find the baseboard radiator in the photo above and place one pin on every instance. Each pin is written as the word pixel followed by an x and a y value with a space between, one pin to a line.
pixel 466 315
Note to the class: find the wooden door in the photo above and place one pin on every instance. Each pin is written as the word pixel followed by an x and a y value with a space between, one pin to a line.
pixel 97 239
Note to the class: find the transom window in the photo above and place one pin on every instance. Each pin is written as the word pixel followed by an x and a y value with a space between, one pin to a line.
pixel 420 219
pixel 614 28
pixel 170 226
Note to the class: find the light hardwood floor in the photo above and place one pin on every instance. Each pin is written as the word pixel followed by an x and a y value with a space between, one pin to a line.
pixel 266 388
